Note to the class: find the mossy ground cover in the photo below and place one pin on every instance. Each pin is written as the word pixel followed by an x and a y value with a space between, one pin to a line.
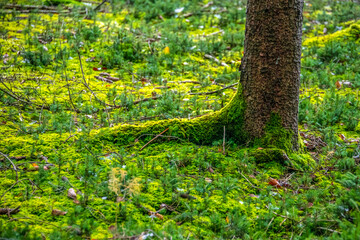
pixel 71 78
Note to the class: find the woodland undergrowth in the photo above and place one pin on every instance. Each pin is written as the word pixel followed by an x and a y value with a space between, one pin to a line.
pixel 75 74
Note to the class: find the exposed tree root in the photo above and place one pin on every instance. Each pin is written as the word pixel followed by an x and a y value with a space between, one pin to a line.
pixel 202 130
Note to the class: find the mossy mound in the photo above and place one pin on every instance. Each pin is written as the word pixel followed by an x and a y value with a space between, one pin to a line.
pixel 350 33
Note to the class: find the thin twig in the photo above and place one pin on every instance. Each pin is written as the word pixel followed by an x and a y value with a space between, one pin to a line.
pixel 164 136
pixel 69 138
pixel 99 6
pixel 248 180
pixel 328 229
pixel 214 33
pixel 216 91
pixel 153 139
pixel 13 186
pixel 66 76
pixel 86 85
pixel 224 142
pixel 14 167
pixel 216 60
pixel 112 107
pixel 269 224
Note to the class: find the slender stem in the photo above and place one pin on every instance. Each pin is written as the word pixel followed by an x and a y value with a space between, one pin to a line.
pixel 14 167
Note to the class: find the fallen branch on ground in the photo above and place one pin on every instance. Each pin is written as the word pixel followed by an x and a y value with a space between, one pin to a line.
pixel 215 91
pixel 164 136
pixel 153 139
pixel 214 33
pixel 216 60
pixel 14 167
pixel 186 81
pixel 99 6
pixel 28 179
pixel 9 211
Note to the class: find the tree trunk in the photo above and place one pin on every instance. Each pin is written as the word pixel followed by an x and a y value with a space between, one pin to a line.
pixel 264 111
pixel 270 70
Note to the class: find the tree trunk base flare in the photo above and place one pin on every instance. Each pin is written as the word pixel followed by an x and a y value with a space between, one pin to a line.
pixel 206 129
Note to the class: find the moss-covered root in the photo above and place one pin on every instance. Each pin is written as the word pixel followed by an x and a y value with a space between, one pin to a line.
pixel 297 161
pixel 202 130
pixel 205 130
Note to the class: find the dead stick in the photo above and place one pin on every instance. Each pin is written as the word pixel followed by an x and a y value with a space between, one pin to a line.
pixel 9 211
pixel 112 107
pixel 224 142
pixel 248 180
pixel 13 186
pixel 98 6
pixel 15 169
pixel 153 139
pixel 84 82
pixel 216 91
pixel 328 229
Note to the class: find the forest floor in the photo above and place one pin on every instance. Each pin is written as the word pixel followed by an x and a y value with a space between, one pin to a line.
pixel 71 70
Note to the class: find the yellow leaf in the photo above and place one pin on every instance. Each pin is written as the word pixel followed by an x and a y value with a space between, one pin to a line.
pixel 227 219
pixel 35 166
pixel 167 50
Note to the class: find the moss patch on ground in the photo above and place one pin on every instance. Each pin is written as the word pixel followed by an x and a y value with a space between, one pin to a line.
pixel 145 68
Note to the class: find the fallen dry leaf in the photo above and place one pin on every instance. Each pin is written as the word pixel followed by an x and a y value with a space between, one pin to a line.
pixel 56 212
pixel 158 215
pixel 72 194
pixel 338 84
pixel 274 182
pixel 208 180
pixel 342 136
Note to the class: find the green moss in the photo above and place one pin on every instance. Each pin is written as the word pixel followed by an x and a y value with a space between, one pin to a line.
pixel 302 161
pixel 276 136
pixel 263 155
pixel 352 33
pixel 59 2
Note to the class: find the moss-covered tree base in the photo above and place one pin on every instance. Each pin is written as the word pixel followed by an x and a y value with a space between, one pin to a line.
pixel 207 129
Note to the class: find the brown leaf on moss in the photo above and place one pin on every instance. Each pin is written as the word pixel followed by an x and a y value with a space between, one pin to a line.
pixel 342 136
pixel 56 212
pixel 158 215
pixel 338 84
pixel 274 182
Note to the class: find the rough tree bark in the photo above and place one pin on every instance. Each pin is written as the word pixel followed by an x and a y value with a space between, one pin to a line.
pixel 271 65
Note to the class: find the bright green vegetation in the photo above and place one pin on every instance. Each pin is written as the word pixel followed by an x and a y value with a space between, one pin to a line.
pixel 185 184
